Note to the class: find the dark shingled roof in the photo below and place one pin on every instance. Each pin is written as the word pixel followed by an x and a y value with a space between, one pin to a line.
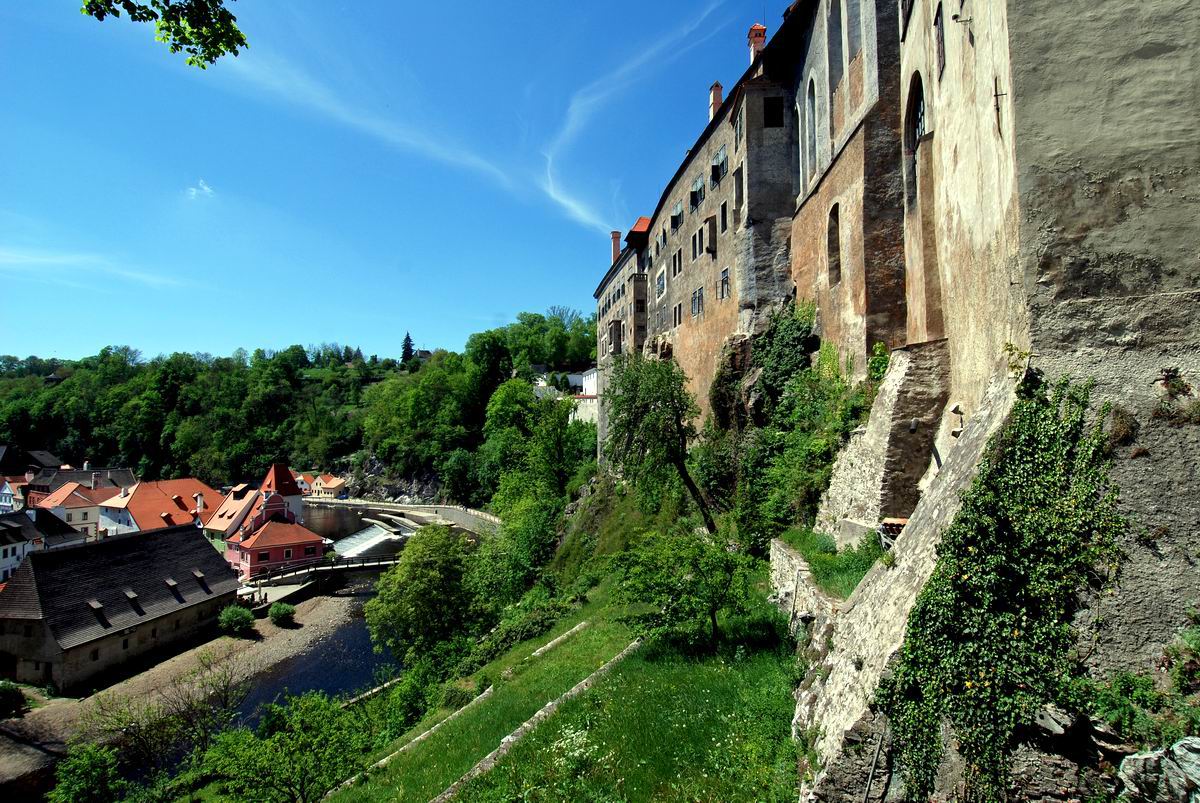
pixel 134 578
pixel 14 460
pixel 18 527
pixel 52 479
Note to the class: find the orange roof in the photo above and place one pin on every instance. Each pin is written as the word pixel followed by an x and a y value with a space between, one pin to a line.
pixel 279 479
pixel 642 225
pixel 167 503
pixel 280 533
pixel 73 495
pixel 329 480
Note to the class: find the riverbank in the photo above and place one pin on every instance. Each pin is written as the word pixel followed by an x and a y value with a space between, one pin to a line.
pixel 32 744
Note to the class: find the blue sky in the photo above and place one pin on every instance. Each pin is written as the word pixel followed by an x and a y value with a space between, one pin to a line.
pixel 364 169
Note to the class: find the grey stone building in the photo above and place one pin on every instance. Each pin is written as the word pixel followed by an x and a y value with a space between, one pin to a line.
pixel 69 614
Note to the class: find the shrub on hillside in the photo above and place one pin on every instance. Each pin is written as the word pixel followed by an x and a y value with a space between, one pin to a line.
pixel 12 701
pixel 282 614
pixel 88 774
pixel 236 620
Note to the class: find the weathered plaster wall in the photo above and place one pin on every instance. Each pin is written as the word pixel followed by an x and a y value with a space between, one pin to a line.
pixel 1109 169
pixel 858 168
pixel 971 213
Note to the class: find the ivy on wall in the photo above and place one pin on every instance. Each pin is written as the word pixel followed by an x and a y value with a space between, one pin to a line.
pixel 989 640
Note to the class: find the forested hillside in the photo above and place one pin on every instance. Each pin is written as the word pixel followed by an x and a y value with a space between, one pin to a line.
pixel 224 419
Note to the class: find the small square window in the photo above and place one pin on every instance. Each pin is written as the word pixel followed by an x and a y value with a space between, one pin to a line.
pixel 287 554
pixel 124 643
pixel 772 112
pixel 95 655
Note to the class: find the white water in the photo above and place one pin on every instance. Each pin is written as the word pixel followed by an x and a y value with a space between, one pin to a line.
pixel 363 541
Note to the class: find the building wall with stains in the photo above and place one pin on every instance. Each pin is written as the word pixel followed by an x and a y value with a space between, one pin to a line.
pixel 847 229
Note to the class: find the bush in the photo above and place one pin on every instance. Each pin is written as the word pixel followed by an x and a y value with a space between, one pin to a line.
pixel 282 614
pixel 236 620
pixel 12 701
pixel 454 696
pixel 88 774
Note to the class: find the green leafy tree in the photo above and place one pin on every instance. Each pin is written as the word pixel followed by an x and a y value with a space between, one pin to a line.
pixel 88 774
pixel 685 581
pixel 651 418
pixel 422 601
pixel 301 751
pixel 204 29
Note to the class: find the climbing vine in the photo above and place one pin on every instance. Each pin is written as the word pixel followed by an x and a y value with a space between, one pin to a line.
pixel 989 640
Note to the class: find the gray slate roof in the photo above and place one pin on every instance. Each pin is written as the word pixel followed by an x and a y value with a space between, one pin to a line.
pixel 127 575
pixel 52 479
pixel 16 528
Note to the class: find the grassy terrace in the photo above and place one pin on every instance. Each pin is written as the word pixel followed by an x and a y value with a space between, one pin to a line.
pixel 836 573
pixel 667 725
pixel 435 763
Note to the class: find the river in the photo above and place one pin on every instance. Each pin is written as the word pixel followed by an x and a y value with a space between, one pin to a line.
pixel 344 661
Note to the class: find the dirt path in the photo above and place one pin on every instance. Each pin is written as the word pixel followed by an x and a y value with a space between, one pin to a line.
pixel 31 744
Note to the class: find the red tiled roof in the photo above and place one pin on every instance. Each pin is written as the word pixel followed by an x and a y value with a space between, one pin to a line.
pixel 167 503
pixel 279 479
pixel 642 225
pixel 280 533
pixel 70 495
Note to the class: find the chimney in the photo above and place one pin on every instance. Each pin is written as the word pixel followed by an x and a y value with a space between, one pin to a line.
pixel 86 465
pixel 124 492
pixel 757 38
pixel 714 99
pixel 95 479
pixel 616 238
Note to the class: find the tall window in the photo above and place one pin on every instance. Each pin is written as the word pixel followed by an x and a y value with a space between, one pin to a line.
pixel 914 131
pixel 834 33
pixel 939 32
pixel 834 235
pixel 810 130
pixel 853 28
pixel 723 286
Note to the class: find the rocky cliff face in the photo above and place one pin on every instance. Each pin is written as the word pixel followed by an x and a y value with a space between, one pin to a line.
pixel 372 481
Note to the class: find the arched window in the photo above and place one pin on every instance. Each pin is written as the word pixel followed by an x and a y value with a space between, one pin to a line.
pixel 914 130
pixel 834 246
pixel 810 129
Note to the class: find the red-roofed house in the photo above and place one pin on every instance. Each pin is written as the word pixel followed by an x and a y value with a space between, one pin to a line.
pixel 279 480
pixel 154 505
pixel 79 506
pixel 271 540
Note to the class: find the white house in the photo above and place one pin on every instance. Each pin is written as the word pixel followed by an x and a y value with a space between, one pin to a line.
pixel 7 497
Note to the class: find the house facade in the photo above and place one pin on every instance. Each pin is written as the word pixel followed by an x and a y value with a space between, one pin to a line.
pixel 68 615
pixel 79 506
pixel 8 496
pixel 272 540
pixel 327 486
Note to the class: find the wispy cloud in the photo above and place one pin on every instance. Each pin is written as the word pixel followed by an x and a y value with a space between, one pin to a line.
pixel 201 190
pixel 587 100
pixel 34 263
pixel 290 83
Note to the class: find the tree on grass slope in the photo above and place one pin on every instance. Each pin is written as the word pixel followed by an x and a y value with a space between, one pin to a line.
pixel 421 601
pixel 651 422
pixel 685 581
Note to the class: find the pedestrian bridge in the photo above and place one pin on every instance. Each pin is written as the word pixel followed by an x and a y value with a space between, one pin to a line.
pixel 328 568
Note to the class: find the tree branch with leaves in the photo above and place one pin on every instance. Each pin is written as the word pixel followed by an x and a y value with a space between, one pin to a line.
pixel 204 29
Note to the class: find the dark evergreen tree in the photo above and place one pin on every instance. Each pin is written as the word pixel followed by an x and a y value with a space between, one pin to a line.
pixel 406 350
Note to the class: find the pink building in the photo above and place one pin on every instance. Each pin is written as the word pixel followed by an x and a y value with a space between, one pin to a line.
pixel 271 540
